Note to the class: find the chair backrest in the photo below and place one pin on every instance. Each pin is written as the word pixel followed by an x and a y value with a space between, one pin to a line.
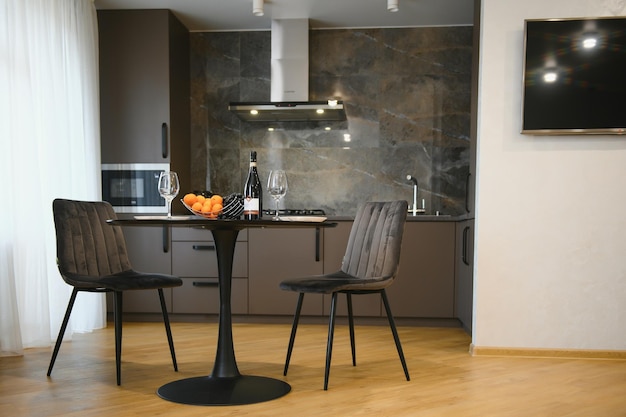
pixel 373 250
pixel 86 244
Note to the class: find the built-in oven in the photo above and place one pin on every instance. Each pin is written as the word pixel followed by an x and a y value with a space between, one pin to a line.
pixel 133 188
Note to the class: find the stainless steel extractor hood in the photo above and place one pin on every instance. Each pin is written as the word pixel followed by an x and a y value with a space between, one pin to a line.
pixel 290 81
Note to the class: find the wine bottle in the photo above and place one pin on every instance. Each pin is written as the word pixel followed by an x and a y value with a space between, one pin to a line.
pixel 252 192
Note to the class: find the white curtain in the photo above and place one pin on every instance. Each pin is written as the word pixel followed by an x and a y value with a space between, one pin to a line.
pixel 49 148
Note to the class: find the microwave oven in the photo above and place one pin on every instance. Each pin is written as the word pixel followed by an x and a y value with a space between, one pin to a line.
pixel 133 188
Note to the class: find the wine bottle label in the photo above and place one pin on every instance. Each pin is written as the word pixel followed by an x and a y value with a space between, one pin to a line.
pixel 250 205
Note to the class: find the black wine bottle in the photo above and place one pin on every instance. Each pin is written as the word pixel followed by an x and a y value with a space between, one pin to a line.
pixel 252 192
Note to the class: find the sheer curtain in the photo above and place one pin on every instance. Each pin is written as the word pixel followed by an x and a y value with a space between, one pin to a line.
pixel 49 148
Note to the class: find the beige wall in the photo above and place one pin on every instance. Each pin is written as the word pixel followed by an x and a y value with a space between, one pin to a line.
pixel 550 266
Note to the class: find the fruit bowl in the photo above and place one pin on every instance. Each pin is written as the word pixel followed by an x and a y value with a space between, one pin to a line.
pixel 230 207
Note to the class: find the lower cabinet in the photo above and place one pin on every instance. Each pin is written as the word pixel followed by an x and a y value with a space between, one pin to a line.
pixel 194 260
pixel 464 282
pixel 424 286
pixel 434 278
pixel 278 254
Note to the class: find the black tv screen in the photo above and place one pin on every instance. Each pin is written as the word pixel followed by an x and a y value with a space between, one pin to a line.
pixel 574 76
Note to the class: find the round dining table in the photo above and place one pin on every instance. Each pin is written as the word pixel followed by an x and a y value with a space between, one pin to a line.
pixel 225 385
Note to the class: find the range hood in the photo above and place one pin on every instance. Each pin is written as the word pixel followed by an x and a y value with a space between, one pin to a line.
pixel 289 81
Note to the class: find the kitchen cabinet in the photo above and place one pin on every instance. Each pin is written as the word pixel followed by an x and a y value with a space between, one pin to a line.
pixel 148 251
pixel 278 254
pixel 424 286
pixel 464 279
pixel 145 90
pixel 194 260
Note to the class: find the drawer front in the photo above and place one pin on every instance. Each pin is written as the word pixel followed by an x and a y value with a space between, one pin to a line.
pixel 198 233
pixel 202 296
pixel 199 259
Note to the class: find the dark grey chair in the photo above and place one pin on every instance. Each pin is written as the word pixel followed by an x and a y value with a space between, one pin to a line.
pixel 91 256
pixel 369 266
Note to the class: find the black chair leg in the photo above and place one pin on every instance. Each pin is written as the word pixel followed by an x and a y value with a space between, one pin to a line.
pixel 294 327
pixel 66 319
pixel 117 318
pixel 168 330
pixel 331 333
pixel 351 325
pixel 392 324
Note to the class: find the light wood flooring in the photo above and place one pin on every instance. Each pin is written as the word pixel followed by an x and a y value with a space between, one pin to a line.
pixel 445 379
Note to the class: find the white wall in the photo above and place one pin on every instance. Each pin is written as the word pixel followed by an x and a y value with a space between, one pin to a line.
pixel 550 266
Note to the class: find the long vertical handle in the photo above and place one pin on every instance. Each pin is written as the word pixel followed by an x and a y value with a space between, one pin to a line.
pixel 465 245
pixel 164 147
pixel 166 239
pixel 317 244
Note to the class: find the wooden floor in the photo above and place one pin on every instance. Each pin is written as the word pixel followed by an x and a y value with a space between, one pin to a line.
pixel 445 379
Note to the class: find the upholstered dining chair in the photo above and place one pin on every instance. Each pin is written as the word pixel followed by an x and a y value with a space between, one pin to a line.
pixel 91 256
pixel 369 266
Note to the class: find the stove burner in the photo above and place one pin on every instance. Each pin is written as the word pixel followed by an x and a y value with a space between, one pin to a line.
pixel 295 212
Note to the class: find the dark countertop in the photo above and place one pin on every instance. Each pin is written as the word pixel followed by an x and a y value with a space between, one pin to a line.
pixel 418 218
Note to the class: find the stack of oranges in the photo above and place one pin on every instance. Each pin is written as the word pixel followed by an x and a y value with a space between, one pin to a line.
pixel 209 207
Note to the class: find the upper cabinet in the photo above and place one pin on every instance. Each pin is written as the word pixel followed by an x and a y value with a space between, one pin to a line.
pixel 144 88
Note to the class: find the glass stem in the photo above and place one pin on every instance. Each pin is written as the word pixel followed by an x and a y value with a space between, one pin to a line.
pixel 277 218
pixel 169 208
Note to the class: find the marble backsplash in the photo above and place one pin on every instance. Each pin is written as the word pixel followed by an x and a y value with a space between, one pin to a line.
pixel 407 98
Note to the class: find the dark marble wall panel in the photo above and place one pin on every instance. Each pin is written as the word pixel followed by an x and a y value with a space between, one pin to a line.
pixel 407 98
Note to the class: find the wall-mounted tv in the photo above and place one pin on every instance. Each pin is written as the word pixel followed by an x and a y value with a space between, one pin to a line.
pixel 574 76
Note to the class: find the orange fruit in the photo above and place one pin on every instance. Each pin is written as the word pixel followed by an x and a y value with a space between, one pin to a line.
pixel 200 199
pixel 197 206
pixel 189 199
pixel 217 207
pixel 206 209
pixel 217 199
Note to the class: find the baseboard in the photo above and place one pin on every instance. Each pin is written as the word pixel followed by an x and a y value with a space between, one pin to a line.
pixel 548 353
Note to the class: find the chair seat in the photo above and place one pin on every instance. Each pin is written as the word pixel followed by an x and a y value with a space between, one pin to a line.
pixel 335 282
pixel 123 281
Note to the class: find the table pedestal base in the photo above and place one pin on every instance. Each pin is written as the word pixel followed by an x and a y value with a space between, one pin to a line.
pixel 238 390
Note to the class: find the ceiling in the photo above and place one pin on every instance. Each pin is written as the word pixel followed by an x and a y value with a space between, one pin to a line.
pixel 236 15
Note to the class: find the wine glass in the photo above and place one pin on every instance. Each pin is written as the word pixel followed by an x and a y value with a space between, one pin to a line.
pixel 168 188
pixel 277 187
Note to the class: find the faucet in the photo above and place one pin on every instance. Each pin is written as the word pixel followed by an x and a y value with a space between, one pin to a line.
pixel 415 187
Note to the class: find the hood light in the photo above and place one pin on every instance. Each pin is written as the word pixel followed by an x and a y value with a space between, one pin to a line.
pixel 254 112
pixel 319 111
pixel 332 102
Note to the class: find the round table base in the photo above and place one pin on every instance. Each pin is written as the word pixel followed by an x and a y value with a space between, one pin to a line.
pixel 239 390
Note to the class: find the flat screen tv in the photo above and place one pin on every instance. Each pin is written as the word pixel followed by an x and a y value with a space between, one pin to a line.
pixel 574 79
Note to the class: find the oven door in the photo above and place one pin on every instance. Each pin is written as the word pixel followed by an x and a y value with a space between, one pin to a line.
pixel 133 188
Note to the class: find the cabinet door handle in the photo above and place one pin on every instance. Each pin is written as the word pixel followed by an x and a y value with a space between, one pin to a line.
pixel 164 141
pixel 317 244
pixel 203 247
pixel 166 239
pixel 465 245
pixel 205 284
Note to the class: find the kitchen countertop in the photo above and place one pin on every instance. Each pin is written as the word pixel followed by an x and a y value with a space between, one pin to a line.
pixel 418 218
